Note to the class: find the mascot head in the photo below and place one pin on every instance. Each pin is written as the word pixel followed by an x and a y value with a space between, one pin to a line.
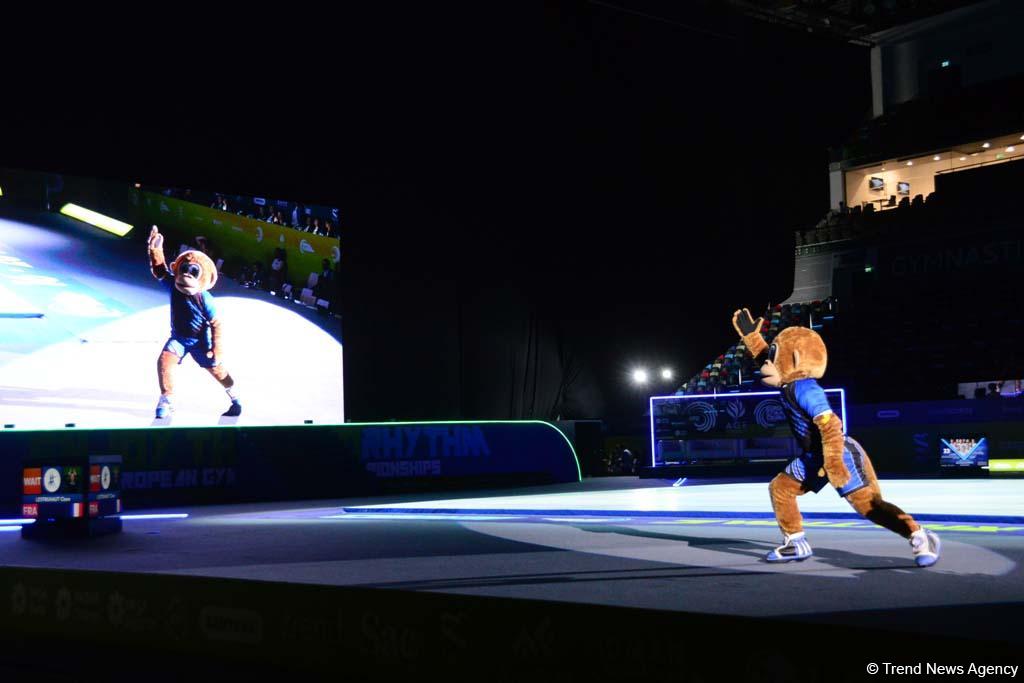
pixel 796 353
pixel 194 272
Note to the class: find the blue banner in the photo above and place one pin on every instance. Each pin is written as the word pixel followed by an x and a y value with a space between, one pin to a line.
pixel 748 426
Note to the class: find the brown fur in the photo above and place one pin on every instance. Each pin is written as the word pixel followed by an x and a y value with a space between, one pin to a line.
pixel 868 503
pixel 783 490
pixel 209 277
pixel 800 354
pixel 165 365
pixel 833 443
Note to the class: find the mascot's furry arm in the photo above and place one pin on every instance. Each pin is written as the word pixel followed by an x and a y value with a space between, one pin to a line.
pixel 155 245
pixel 750 331
pixel 217 343
pixel 832 445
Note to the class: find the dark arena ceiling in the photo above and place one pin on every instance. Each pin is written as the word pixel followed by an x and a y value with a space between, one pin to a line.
pixel 851 20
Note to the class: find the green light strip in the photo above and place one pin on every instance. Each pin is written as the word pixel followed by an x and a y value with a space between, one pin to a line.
pixel 1013 465
pixel 98 219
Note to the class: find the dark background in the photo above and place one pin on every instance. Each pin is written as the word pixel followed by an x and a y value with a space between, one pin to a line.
pixel 533 199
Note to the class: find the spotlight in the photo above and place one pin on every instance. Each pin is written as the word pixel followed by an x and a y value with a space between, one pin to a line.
pixel 963 158
pixel 639 376
pixel 666 373
pixel 910 163
pixel 1011 148
pixel 986 145
pixel 936 158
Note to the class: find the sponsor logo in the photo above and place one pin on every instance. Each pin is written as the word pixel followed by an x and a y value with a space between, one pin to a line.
pixel 702 416
pixel 259 233
pixel 33 481
pixel 336 254
pixel 51 480
pixel 735 410
pixel 304 246
pixel 105 477
pixel 769 413
pixel 72 476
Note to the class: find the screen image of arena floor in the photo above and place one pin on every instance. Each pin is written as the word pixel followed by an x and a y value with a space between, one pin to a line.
pixel 82 322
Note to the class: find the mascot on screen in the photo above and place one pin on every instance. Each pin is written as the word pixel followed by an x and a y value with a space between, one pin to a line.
pixel 195 328
pixel 796 360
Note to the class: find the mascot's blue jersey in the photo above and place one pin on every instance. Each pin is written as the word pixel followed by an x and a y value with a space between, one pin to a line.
pixel 190 315
pixel 803 400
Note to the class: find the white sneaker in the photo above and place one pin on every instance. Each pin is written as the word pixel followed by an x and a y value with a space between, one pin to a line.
pixel 795 547
pixel 163 408
pixel 926 547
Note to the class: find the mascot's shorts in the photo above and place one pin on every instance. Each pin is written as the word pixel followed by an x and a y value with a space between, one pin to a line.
pixel 809 469
pixel 197 348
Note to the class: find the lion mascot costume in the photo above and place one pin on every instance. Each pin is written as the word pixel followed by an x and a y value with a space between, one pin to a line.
pixel 796 359
pixel 195 328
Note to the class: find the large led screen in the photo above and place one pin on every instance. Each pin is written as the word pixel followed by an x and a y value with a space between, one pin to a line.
pixel 123 305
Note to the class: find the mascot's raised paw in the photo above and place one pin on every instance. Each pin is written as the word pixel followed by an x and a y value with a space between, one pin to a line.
pixel 745 323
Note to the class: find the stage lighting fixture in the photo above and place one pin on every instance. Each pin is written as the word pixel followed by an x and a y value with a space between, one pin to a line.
pixel 945 63
pixel 666 373
pixel 963 158
pixel 639 376
pixel 910 163
pixel 1011 148
pixel 99 220
pixel 936 158
pixel 986 145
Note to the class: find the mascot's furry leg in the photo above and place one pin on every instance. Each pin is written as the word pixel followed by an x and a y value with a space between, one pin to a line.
pixel 784 490
pixel 868 503
pixel 221 375
pixel 165 365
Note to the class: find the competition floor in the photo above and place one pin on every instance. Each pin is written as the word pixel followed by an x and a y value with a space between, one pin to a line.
pixel 694 547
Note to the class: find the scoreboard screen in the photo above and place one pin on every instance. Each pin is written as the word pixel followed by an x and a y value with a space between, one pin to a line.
pixel 963 450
